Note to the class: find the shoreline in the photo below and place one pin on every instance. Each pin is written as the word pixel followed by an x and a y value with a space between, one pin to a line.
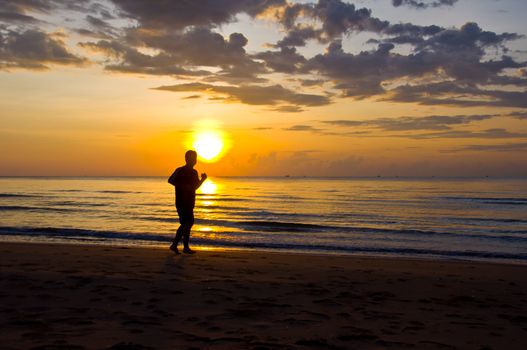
pixel 97 297
pixel 321 253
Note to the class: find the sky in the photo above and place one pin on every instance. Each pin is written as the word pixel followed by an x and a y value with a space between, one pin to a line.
pixel 300 88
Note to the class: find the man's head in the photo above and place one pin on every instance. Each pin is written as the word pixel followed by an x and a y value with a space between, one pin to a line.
pixel 191 157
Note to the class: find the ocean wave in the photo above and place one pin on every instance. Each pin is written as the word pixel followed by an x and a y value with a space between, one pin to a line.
pixel 117 191
pixel 76 203
pixel 29 208
pixel 73 233
pixel 498 220
pixel 16 195
pixel 491 200
pixel 391 233
pixel 69 190
pixel 92 235
pixel 282 226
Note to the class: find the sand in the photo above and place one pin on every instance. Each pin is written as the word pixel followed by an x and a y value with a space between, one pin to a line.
pixel 94 297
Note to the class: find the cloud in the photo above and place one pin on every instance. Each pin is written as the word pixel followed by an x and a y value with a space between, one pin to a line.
pixel 200 13
pixel 22 11
pixel 33 49
pixel 339 17
pixel 456 55
pixel 433 122
pixel 125 59
pixel 288 109
pixel 455 93
pixel 11 17
pixel 298 36
pixel 253 94
pixel 496 133
pixel 522 115
pixel 312 82
pixel 360 75
pixel 425 64
pixel 423 4
pixel 438 127
pixel 19 11
pixel 506 147
pixel 190 97
pixel 99 28
pixel 287 60
pixel 180 53
pixel 336 18
pixel 302 128
pixel 441 127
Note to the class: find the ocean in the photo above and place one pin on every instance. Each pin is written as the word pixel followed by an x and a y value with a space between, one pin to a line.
pixel 470 219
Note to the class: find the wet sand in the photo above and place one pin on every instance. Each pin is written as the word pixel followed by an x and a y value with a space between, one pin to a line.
pixel 92 297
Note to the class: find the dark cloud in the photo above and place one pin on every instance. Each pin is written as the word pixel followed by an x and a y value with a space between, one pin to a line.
pixel 522 115
pixel 336 17
pixel 298 36
pixel 302 128
pixel 99 28
pixel 357 75
pixel 440 127
pixel 454 93
pixel 423 4
pixel 180 14
pixel 287 60
pixel 15 17
pixel 92 33
pixel 425 64
pixel 22 11
pixel 434 122
pixel 496 133
pixel 180 53
pixel 470 39
pixel 19 11
pixel 34 49
pixel 125 59
pixel 253 94
pixel 506 147
pixel 408 33
pixel 191 97
pixel 339 17
pixel 288 109
pixel 456 53
pixel 312 82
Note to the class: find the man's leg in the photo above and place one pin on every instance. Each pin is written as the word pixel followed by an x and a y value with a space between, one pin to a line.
pixel 189 220
pixel 183 223
pixel 186 220
pixel 177 238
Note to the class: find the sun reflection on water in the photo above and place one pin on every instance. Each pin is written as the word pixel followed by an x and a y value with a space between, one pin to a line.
pixel 209 187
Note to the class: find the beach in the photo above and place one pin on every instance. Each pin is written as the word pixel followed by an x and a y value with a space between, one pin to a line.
pixel 60 296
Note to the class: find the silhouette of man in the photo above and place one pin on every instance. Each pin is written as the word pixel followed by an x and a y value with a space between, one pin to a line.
pixel 186 181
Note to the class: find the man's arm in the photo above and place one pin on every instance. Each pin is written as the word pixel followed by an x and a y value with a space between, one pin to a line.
pixel 173 178
pixel 203 178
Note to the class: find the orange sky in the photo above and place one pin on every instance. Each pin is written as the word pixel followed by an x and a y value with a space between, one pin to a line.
pixel 120 88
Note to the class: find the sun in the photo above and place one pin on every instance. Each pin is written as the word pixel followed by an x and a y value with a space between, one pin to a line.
pixel 209 144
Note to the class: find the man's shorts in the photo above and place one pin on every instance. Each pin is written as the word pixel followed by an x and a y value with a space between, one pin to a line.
pixel 186 216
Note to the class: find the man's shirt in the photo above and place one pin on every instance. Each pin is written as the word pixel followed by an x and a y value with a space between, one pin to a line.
pixel 186 181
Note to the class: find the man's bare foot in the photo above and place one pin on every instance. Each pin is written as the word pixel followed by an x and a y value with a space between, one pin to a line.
pixel 173 248
pixel 187 250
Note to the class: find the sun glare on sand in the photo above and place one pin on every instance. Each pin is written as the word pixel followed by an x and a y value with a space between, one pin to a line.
pixel 209 144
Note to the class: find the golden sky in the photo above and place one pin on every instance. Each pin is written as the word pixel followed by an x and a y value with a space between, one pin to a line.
pixel 306 88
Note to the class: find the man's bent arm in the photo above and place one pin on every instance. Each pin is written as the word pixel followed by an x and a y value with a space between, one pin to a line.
pixel 200 182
